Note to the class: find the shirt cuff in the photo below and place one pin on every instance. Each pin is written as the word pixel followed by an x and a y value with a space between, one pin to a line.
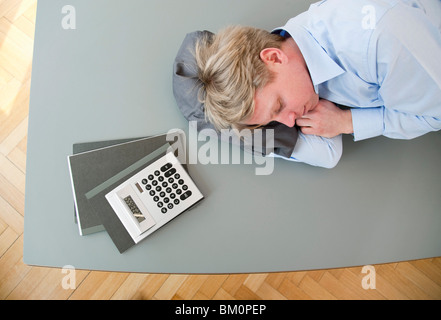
pixel 367 122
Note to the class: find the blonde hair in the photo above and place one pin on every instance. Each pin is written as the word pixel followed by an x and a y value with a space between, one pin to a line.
pixel 231 70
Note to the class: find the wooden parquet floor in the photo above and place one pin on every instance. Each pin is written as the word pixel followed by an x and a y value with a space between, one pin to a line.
pixel 420 279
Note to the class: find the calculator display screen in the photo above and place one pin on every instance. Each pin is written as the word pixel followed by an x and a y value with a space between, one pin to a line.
pixel 134 209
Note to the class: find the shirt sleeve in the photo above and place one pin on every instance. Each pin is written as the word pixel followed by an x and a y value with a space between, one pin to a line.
pixel 408 72
pixel 316 150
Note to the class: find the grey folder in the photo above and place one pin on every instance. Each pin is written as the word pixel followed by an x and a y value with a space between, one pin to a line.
pixel 95 163
pixel 114 227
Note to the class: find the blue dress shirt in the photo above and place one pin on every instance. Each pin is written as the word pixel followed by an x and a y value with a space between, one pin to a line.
pixel 380 57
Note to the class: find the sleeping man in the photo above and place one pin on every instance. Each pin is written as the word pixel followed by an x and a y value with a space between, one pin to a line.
pixel 377 58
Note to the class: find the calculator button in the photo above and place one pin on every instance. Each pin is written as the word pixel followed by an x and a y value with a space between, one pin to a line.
pixel 177 176
pixel 179 191
pixel 164 184
pixel 162 194
pixel 166 200
pixel 152 192
pixel 170 172
pixel 170 206
pixel 168 190
pixel 172 195
pixel 144 181
pixel 174 185
pixel 148 187
pixel 164 210
pixel 181 181
pixel 161 178
pixel 156 198
pixel 154 182
pixel 176 201
pixel 185 195
pixel 158 188
pixel 184 187
pixel 171 180
pixel 160 204
pixel 166 166
pixel 157 173
pixel 151 177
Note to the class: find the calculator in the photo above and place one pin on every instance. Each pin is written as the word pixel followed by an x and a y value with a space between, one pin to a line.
pixel 154 196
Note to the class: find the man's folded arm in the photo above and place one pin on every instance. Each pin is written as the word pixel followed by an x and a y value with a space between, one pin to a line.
pixel 316 151
pixel 407 70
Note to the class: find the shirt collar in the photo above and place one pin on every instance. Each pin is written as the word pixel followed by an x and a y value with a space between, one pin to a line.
pixel 321 67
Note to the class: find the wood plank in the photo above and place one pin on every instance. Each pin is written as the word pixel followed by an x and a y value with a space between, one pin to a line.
pixel 14 137
pixel 268 292
pixel 9 215
pixel 63 292
pixel 27 288
pixel 18 158
pixel 212 284
pixel 12 173
pixel 420 279
pixel 352 277
pixel 12 280
pixel 11 257
pixel 111 284
pixel 338 288
pixel 275 279
pixel 3 227
pixel 233 283
pixel 150 286
pixel 7 238
pixel 7 6
pixel 403 284
pixel 14 59
pixel 291 291
pixel 314 289
pixel 8 93
pixel 191 286
pixel 26 26
pixel 244 293
pixel 222 294
pixel 16 35
pixel 428 268
pixel 13 113
pixel 5 77
pixel 89 285
pixel 254 281
pixel 11 194
pixel 388 290
pixel 19 9
pixel 129 287
pixel 170 286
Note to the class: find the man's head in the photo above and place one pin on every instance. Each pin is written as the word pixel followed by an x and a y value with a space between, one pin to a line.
pixel 252 77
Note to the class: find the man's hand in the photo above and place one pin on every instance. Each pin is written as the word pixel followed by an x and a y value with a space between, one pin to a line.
pixel 326 120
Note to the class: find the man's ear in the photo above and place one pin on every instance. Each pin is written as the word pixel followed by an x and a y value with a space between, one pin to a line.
pixel 273 57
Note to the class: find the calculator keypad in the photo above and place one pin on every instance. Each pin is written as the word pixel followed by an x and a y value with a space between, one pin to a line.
pixel 166 187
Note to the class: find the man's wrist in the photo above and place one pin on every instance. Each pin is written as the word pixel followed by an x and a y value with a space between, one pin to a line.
pixel 348 128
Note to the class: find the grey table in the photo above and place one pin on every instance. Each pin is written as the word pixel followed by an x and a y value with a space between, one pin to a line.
pixel 110 78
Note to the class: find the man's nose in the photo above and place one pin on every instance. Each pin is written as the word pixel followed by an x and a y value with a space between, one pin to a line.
pixel 288 119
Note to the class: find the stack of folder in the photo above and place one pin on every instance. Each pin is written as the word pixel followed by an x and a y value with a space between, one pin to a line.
pixel 96 168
